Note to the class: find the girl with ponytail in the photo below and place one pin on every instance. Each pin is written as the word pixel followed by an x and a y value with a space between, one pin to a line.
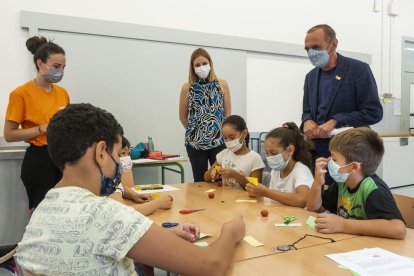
pixel 289 157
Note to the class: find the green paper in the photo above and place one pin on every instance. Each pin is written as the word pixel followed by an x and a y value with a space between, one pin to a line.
pixel 288 225
pixel 311 222
pixel 203 235
pixel 201 244
pixel 353 273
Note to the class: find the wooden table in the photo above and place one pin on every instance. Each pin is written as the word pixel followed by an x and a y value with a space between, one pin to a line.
pixel 164 164
pixel 223 207
pixel 312 260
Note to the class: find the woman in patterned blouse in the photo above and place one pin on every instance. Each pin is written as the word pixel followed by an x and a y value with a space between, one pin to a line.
pixel 204 104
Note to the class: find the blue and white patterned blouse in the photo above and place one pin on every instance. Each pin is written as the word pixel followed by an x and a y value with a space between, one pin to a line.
pixel 205 115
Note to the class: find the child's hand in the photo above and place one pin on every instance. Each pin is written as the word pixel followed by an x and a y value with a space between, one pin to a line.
pixel 258 190
pixel 213 174
pixel 329 223
pixel 165 202
pixel 187 231
pixel 321 165
pixel 236 227
pixel 140 198
pixel 228 173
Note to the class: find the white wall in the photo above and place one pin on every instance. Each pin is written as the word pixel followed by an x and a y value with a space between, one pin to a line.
pixel 358 28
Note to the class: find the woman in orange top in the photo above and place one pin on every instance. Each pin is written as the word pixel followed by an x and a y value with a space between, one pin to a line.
pixel 30 108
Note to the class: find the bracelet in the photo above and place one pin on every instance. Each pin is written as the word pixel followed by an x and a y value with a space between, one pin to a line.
pixel 120 189
pixel 40 130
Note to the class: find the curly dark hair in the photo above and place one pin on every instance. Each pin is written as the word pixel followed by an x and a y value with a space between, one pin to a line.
pixel 74 129
pixel 290 134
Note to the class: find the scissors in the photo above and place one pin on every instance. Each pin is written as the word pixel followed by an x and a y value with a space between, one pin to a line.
pixel 186 212
pixel 169 224
pixel 289 219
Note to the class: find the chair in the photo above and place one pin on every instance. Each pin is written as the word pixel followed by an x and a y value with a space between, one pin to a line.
pixel 406 206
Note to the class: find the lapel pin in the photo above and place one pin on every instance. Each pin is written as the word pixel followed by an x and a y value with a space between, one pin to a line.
pixel 338 77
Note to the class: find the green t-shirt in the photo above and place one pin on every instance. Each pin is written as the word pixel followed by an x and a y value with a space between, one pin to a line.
pixel 371 199
pixel 352 205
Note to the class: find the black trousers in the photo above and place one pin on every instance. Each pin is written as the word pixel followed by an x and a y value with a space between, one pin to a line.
pixel 39 174
pixel 199 160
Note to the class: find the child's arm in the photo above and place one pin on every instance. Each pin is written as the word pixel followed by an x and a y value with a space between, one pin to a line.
pixel 297 199
pixel 162 249
pixel 163 202
pixel 136 197
pixel 238 177
pixel 147 208
pixel 314 202
pixel 258 174
pixel 330 223
pixel 209 174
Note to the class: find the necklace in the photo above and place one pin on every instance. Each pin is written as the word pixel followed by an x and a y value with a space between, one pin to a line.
pixel 41 87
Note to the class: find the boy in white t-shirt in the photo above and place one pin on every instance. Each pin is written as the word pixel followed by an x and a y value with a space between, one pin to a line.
pixel 75 231
pixel 237 161
pixel 289 157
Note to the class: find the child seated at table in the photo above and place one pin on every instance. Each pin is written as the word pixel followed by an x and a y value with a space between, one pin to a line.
pixel 145 204
pixel 359 201
pixel 75 231
pixel 289 157
pixel 237 161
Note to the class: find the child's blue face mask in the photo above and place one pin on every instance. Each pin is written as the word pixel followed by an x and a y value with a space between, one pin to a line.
pixel 109 184
pixel 334 168
pixel 276 162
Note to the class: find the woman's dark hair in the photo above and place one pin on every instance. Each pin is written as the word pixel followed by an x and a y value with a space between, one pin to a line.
pixel 42 49
pixel 75 128
pixel 239 124
pixel 125 142
pixel 289 134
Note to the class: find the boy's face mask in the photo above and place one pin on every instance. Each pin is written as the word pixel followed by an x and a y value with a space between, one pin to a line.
pixel 109 184
pixel 126 163
pixel 334 168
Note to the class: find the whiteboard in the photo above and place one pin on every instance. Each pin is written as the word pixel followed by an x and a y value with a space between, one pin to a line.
pixel 139 82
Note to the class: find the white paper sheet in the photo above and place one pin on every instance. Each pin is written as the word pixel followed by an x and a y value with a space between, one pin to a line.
pixel 165 188
pixel 374 262
pixel 336 131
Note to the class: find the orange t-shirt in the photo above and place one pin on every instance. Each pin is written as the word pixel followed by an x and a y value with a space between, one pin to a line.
pixel 32 106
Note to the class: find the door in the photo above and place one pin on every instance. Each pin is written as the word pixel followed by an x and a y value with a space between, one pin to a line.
pixel 407 86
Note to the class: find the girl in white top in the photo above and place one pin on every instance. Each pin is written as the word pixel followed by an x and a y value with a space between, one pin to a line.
pixel 237 161
pixel 289 157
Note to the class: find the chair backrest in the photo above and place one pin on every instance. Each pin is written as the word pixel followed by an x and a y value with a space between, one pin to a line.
pixel 406 206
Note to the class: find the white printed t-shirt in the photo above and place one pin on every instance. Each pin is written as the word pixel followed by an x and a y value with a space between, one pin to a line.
pixel 244 164
pixel 74 232
pixel 300 175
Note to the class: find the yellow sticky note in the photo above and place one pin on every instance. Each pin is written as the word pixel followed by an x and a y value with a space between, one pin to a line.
pixel 155 196
pixel 311 222
pixel 246 200
pixel 210 191
pixel 252 241
pixel 253 180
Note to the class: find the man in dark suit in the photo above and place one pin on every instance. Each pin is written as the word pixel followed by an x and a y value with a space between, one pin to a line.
pixel 338 92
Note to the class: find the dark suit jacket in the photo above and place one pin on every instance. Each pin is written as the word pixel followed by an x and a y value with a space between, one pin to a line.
pixel 354 99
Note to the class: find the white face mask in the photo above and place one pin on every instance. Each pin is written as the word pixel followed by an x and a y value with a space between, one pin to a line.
pixel 126 163
pixel 202 71
pixel 234 145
